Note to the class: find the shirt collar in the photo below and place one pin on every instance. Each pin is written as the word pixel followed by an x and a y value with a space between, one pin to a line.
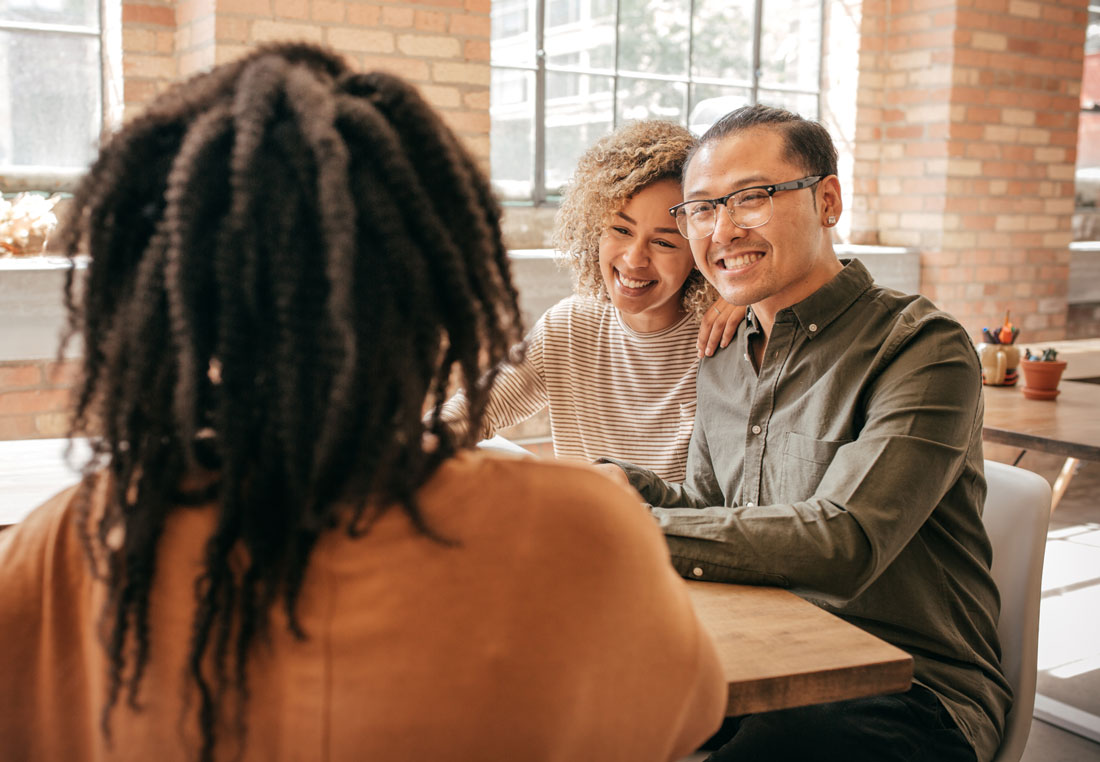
pixel 825 305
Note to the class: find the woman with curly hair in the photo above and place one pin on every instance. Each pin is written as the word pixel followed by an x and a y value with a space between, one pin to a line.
pixel 272 555
pixel 615 364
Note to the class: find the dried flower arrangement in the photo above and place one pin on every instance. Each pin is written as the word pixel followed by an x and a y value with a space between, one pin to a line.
pixel 25 222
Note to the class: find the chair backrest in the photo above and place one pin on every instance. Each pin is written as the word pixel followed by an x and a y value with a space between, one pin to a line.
pixel 1016 514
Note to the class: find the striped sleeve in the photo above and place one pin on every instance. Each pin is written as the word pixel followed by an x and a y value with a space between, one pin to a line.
pixel 518 393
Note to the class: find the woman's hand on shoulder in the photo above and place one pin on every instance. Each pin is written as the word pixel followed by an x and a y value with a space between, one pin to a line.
pixel 718 326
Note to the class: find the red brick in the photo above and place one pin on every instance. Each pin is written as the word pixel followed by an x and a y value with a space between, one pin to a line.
pixel 64 374
pixel 17 427
pixel 983 115
pixel 14 403
pixel 476 50
pixel 148 14
pixel 19 376
pixel 471 26
pixel 430 21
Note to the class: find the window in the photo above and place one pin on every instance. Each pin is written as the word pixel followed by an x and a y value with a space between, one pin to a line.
pixel 51 103
pixel 587 66
pixel 1087 220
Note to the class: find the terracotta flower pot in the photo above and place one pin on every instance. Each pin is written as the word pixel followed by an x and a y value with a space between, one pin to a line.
pixel 1041 378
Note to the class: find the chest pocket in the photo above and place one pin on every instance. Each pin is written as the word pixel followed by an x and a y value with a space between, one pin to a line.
pixel 805 461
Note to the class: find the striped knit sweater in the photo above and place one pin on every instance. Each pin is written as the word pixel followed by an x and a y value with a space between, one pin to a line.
pixel 610 390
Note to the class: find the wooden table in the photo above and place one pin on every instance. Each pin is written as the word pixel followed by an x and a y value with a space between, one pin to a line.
pixel 780 651
pixel 1067 426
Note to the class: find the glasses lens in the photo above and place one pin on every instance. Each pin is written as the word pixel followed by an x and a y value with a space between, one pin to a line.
pixel 750 209
pixel 695 220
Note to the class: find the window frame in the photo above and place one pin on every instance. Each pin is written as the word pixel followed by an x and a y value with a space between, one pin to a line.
pixel 540 195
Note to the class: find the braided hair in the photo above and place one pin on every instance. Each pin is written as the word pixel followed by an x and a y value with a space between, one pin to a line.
pixel 289 262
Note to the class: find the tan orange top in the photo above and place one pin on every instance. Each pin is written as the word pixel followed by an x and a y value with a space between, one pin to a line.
pixel 557 630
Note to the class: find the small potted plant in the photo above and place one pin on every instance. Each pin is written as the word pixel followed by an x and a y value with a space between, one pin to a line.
pixel 1042 372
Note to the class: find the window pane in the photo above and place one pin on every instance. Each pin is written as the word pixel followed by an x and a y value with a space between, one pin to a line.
pixel 711 102
pixel 1088 142
pixel 513 41
pixel 71 12
pixel 562 12
pixel 573 123
pixel 653 36
pixel 1086 223
pixel 723 40
pixel 803 105
pixel 50 99
pixel 592 41
pixel 790 43
pixel 651 99
pixel 512 132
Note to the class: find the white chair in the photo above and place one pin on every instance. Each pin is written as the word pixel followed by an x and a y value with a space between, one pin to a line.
pixel 1017 511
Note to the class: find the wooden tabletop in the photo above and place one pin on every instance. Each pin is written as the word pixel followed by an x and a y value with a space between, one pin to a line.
pixel 780 651
pixel 1068 425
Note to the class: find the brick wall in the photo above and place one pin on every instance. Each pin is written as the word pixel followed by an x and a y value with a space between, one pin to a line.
pixel 34 398
pixel 957 123
pixel 149 61
pixel 442 46
pixel 968 153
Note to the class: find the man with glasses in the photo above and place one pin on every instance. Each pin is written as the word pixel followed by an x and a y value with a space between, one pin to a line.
pixel 836 451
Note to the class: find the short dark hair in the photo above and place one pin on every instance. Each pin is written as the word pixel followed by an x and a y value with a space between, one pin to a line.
pixel 808 143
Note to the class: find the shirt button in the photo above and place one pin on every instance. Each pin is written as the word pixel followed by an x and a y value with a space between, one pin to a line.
pixel 697 572
pixel 756 429
pixel 750 504
pixel 813 327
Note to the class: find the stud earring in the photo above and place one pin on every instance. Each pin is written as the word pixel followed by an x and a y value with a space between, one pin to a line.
pixel 832 219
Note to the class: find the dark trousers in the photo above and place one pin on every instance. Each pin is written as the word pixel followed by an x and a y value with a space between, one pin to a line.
pixel 906 727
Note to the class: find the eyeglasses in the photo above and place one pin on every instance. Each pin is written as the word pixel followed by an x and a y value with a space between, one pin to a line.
pixel 747 208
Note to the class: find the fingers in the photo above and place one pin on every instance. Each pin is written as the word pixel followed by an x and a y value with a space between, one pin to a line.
pixel 707 344
pixel 733 319
pixel 614 473
pixel 718 327
pixel 706 328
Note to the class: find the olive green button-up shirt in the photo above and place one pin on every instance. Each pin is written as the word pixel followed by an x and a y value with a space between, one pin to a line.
pixel 849 468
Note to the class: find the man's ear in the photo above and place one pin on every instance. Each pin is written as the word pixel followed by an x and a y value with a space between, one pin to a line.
pixel 831 205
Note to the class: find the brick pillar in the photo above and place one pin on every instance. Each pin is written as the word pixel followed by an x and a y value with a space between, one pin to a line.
pixel 441 46
pixel 969 153
pixel 148 51
pixel 195 35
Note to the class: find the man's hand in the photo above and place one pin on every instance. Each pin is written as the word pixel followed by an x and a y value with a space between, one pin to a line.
pixel 718 326
pixel 615 474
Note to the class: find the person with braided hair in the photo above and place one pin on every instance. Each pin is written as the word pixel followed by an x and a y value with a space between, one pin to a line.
pixel 614 364
pixel 273 554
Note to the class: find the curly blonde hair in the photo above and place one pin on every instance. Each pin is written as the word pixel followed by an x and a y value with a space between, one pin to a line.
pixel 608 174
